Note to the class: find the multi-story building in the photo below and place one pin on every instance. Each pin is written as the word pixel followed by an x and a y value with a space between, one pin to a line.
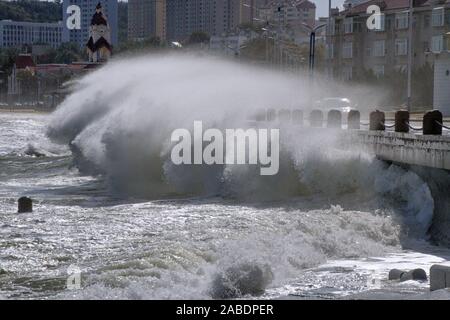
pixel 17 34
pixel 176 20
pixel 186 17
pixel 291 14
pixel 146 19
pixel 230 44
pixel 352 3
pixel 354 48
pixel 87 9
pixel 215 17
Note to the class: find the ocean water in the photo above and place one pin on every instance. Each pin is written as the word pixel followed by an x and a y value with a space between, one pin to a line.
pixel 111 208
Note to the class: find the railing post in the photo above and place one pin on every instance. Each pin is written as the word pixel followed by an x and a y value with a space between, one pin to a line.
pixel 271 115
pixel 334 119
pixel 432 123
pixel 284 115
pixel 377 121
pixel 297 117
pixel 402 121
pixel 354 120
pixel 316 119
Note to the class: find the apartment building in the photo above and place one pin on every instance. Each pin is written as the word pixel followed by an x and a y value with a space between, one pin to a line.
pixel 146 19
pixel 354 48
pixel 288 13
pixel 17 34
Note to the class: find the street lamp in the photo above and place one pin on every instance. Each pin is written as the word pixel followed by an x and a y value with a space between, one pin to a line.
pixel 410 54
pixel 312 45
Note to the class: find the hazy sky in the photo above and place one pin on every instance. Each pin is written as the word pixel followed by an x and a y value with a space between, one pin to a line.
pixel 322 6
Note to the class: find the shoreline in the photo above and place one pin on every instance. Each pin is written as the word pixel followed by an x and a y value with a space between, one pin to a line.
pixel 24 111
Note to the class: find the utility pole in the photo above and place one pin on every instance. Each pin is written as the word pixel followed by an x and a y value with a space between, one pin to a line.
pixel 410 54
pixel 330 73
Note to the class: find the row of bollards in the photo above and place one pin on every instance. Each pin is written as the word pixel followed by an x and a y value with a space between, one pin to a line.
pixel 439 276
pixel 432 122
pixel 316 118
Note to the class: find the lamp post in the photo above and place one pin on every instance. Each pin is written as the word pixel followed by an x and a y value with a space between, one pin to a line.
pixel 328 37
pixel 410 55
pixel 312 45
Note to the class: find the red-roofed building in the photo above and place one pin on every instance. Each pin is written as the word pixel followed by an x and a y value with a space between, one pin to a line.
pixel 24 61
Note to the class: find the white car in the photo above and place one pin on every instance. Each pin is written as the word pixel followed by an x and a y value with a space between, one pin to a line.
pixel 327 104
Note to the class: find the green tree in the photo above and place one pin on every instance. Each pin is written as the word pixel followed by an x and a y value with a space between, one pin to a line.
pixel 29 10
pixel 198 37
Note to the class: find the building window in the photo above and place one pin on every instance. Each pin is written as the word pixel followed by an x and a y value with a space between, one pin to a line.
pixel 437 18
pixel 379 48
pixel 401 20
pixel 437 44
pixel 401 47
pixel 378 70
pixel 347 50
pixel 348 25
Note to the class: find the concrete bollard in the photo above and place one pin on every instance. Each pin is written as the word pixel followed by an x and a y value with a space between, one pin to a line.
pixel 439 277
pixel 284 115
pixel 25 204
pixel 334 119
pixel 401 121
pixel 354 120
pixel 395 274
pixel 416 274
pixel 271 115
pixel 377 121
pixel 297 117
pixel 316 118
pixel 430 125
pixel 261 116
pixel 402 275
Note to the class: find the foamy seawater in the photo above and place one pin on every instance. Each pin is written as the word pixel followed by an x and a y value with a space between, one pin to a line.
pixel 309 246
pixel 114 218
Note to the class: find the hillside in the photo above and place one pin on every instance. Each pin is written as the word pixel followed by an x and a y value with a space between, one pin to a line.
pixel 26 10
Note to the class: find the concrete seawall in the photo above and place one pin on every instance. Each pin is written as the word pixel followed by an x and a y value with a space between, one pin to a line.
pixel 428 156
pixel 406 148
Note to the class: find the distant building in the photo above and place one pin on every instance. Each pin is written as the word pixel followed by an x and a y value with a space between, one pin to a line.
pixel 215 17
pixel 87 7
pixel 17 34
pixel 23 62
pixel 288 13
pixel 354 49
pixel 146 19
pixel 352 3
pixel 230 45
pixel 185 17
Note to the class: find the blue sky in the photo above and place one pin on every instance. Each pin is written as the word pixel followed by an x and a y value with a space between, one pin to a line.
pixel 322 6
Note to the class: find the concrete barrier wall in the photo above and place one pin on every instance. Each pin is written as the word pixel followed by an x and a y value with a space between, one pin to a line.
pixel 429 151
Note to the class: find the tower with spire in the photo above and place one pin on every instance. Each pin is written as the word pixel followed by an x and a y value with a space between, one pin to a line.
pixel 99 44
